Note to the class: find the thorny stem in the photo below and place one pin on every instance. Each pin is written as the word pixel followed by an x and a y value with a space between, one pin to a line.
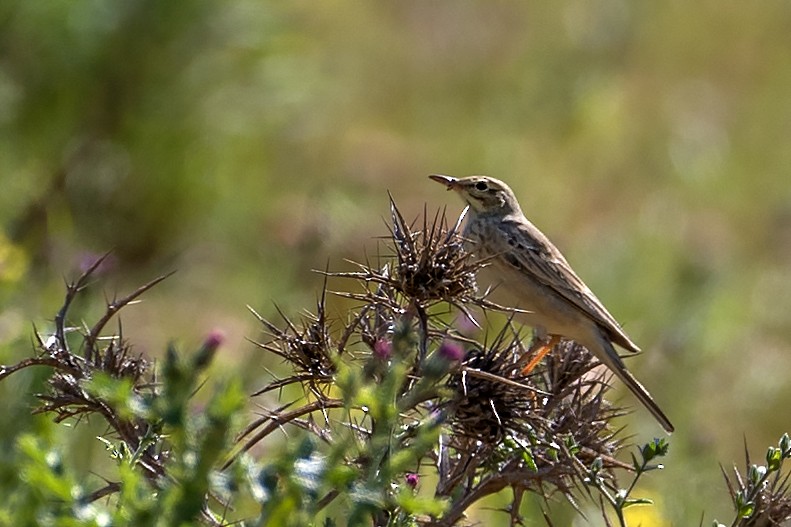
pixel 72 288
pixel 5 371
pixel 276 421
pixel 492 484
pixel 113 308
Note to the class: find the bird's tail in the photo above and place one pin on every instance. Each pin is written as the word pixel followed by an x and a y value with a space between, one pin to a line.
pixel 610 358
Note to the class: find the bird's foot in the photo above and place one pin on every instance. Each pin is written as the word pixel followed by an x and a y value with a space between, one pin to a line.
pixel 539 350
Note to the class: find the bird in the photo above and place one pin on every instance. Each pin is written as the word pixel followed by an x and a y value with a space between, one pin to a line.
pixel 538 282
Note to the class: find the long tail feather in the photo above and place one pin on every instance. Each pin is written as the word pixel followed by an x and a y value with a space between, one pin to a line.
pixel 607 355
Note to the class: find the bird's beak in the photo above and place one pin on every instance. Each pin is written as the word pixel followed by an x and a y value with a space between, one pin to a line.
pixel 450 182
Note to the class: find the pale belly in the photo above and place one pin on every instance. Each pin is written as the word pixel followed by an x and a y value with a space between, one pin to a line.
pixel 549 313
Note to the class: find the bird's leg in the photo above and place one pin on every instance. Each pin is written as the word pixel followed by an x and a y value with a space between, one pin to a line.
pixel 539 348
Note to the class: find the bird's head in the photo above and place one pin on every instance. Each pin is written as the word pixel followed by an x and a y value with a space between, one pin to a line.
pixel 483 194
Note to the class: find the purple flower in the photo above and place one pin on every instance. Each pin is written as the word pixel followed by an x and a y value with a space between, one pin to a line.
pixel 451 351
pixel 383 349
pixel 412 479
pixel 210 344
pixel 214 339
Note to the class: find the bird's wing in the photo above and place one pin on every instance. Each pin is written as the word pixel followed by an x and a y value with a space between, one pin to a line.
pixel 539 258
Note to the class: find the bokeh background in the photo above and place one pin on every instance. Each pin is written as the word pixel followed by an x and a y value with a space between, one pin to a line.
pixel 246 143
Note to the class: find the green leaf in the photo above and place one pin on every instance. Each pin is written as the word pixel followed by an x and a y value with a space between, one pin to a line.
pixel 739 500
pixel 756 473
pixel 774 458
pixel 785 445
pixel 571 445
pixel 636 464
pixel 656 448
pixel 530 462
pixel 340 476
pixel 746 510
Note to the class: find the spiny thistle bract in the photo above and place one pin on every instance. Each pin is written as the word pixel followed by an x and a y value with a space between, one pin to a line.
pixel 308 349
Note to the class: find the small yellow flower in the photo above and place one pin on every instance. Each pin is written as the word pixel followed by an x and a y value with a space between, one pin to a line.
pixel 13 261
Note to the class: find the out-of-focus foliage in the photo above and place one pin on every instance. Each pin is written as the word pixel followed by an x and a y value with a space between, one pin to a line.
pixel 245 143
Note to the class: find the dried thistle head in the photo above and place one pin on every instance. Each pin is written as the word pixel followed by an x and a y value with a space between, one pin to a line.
pixel 556 417
pixel 110 355
pixel 486 406
pixel 377 318
pixel 69 393
pixel 431 263
pixel 307 348
pixel 762 496
pixel 576 406
pixel 67 396
pixel 773 507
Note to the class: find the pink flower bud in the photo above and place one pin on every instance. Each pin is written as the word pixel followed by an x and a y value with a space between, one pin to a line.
pixel 383 349
pixel 214 339
pixel 451 351
pixel 206 352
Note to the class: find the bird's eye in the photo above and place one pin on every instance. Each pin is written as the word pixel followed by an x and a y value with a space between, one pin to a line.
pixel 481 185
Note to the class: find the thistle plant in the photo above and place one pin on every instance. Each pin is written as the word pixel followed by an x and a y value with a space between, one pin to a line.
pixel 397 393
pixel 394 415
pixel 761 495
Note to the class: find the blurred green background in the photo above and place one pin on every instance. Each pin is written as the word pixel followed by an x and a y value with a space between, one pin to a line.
pixel 245 143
